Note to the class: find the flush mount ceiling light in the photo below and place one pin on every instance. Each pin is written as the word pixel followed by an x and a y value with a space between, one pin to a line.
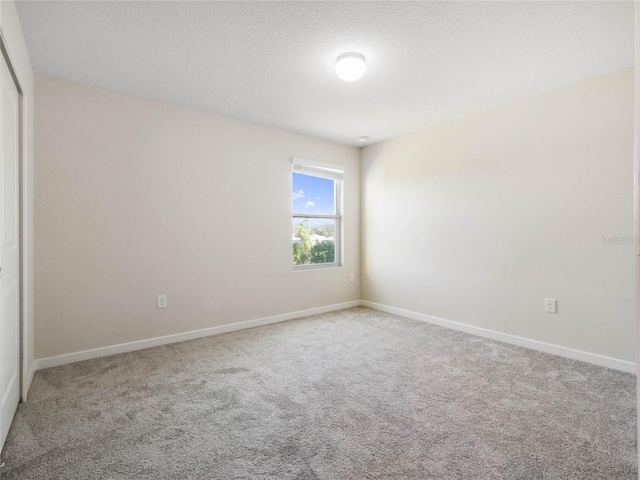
pixel 350 66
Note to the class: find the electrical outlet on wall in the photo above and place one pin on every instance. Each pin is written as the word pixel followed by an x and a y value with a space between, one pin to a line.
pixel 550 305
pixel 162 301
pixel 351 278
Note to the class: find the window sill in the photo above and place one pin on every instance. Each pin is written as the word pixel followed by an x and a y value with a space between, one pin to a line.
pixel 315 266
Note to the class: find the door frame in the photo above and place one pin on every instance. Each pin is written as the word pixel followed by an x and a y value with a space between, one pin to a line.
pixel 636 206
pixel 23 347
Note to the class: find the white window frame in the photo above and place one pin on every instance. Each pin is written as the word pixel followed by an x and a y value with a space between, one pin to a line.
pixel 332 172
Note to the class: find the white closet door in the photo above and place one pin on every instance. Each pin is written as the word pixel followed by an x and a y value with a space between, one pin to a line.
pixel 9 252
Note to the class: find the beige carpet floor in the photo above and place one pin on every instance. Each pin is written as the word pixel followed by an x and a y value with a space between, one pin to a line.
pixel 354 394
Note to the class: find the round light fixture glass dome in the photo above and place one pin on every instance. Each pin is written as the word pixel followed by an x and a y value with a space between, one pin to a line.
pixel 350 66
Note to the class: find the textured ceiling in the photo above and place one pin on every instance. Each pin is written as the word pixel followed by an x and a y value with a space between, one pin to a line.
pixel 273 62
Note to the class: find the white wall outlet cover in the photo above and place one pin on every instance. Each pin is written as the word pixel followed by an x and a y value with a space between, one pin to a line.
pixel 162 301
pixel 550 305
pixel 351 278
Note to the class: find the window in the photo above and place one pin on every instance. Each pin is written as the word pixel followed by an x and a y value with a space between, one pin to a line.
pixel 316 203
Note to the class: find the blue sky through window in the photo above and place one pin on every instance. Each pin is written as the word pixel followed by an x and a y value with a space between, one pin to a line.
pixel 312 194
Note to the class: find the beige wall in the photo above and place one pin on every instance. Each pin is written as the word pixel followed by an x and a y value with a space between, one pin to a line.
pixel 479 219
pixel 474 221
pixel 137 198
pixel 16 50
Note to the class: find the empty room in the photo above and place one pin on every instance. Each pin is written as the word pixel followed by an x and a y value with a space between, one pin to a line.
pixel 318 240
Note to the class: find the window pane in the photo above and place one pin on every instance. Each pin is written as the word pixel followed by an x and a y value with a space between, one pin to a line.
pixel 313 194
pixel 314 241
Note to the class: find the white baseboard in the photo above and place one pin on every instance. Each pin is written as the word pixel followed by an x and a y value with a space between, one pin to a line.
pixel 616 364
pixel 27 381
pixel 49 362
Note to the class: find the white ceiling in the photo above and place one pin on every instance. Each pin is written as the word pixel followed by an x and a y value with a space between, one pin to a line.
pixel 273 62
